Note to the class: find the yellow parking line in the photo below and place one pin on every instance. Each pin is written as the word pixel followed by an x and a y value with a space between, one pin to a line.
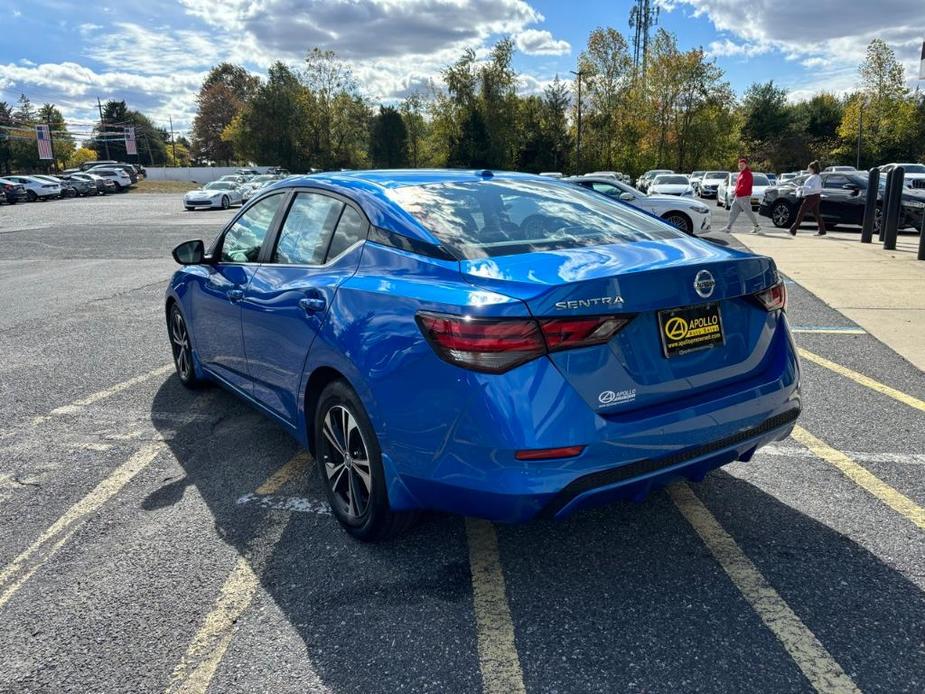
pixel 498 659
pixel 898 501
pixel 77 405
pixel 816 663
pixel 195 671
pixel 902 397
pixel 291 470
pixel 50 541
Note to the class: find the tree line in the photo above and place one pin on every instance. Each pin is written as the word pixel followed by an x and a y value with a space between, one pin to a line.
pixel 677 112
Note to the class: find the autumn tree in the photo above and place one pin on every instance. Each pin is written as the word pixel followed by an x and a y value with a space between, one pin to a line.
pixel 223 94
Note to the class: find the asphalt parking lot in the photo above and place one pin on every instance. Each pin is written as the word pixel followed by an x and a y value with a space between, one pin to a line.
pixel 157 539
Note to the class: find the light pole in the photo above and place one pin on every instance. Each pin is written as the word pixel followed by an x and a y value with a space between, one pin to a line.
pixel 579 74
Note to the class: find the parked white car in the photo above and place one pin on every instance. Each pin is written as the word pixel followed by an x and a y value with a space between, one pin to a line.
pixel 913 174
pixel 249 189
pixel 37 188
pixel 118 176
pixel 218 194
pixel 670 184
pixel 687 214
pixel 710 183
pixel 726 192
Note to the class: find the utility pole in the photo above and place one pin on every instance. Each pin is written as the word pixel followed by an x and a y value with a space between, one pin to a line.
pixel 173 142
pixel 102 126
pixel 579 74
pixel 857 164
pixel 642 18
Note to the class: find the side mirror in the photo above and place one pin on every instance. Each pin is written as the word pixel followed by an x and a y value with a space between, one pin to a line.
pixel 627 196
pixel 190 253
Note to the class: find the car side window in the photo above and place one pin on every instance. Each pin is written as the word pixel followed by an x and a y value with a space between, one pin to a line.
pixel 606 189
pixel 243 240
pixel 351 228
pixel 304 236
pixel 835 181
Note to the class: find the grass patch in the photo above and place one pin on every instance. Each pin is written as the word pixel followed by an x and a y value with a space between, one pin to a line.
pixel 149 186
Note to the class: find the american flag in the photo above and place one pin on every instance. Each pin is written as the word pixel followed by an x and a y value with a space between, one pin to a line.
pixel 130 141
pixel 43 137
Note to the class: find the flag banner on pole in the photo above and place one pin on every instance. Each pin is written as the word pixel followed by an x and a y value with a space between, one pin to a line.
pixel 922 63
pixel 43 137
pixel 130 141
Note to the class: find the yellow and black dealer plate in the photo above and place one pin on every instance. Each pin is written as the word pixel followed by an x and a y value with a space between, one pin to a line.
pixel 690 328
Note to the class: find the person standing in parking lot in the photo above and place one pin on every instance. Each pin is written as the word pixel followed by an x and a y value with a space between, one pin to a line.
pixel 811 192
pixel 743 198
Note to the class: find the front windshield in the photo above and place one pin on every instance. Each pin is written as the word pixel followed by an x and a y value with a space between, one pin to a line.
pixel 478 219
pixel 760 180
pixel 715 174
pixel 670 180
pixel 913 168
pixel 218 185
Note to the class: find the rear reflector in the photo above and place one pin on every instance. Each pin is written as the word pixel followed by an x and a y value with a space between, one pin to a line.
pixel 549 453
pixel 497 345
pixel 773 298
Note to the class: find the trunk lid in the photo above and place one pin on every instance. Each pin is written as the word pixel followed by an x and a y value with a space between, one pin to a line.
pixel 642 278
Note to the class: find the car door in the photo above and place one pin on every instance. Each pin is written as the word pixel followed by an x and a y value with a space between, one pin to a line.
pixel 838 204
pixel 216 294
pixel 316 248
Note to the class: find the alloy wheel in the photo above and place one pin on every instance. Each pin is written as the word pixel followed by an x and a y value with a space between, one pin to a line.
pixel 225 203
pixel 780 215
pixel 179 341
pixel 346 462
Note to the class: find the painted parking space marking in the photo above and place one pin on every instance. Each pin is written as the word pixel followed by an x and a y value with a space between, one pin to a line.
pixel 896 500
pixel 816 663
pixel 17 572
pixel 867 381
pixel 498 659
pixel 197 667
pixel 79 404
pixel 777 450
pixel 827 330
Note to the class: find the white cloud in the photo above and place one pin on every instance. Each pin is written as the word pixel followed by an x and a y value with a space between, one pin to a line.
pixel 829 35
pixel 540 42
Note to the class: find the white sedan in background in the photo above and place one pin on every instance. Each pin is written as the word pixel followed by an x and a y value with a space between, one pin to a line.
pixel 689 215
pixel 726 192
pixel 37 188
pixel 671 184
pixel 218 194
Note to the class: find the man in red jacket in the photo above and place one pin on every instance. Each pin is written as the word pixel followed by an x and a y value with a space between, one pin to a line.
pixel 743 201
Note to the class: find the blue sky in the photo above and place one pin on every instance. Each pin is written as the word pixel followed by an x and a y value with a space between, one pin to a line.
pixel 155 54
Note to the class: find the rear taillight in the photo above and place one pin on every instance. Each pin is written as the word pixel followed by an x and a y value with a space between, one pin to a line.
pixel 497 345
pixel 773 298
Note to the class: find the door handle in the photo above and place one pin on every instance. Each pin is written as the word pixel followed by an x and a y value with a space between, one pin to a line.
pixel 235 294
pixel 312 304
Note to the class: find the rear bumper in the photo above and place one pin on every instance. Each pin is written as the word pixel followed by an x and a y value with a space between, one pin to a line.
pixel 625 456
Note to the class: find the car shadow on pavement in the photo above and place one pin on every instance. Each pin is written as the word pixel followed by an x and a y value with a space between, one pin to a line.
pixel 625 597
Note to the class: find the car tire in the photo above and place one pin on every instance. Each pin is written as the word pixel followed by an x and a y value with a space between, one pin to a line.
pixel 350 467
pixel 781 214
pixel 181 348
pixel 225 202
pixel 31 196
pixel 679 221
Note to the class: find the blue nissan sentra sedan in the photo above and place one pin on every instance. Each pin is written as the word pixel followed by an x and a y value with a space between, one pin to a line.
pixel 491 344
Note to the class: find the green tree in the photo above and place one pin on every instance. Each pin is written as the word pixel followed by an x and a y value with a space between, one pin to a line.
pixel 412 113
pixel 62 140
pixel 388 139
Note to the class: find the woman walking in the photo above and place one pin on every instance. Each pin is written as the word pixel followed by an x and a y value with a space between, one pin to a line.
pixel 811 192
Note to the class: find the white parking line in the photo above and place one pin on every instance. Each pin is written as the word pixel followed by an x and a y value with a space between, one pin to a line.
pixel 859 456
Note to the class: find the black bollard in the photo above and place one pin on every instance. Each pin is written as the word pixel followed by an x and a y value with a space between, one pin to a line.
pixel 921 255
pixel 891 213
pixel 884 203
pixel 870 205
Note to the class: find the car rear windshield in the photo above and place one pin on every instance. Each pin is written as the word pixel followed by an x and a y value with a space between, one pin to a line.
pixel 478 219
pixel 670 180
